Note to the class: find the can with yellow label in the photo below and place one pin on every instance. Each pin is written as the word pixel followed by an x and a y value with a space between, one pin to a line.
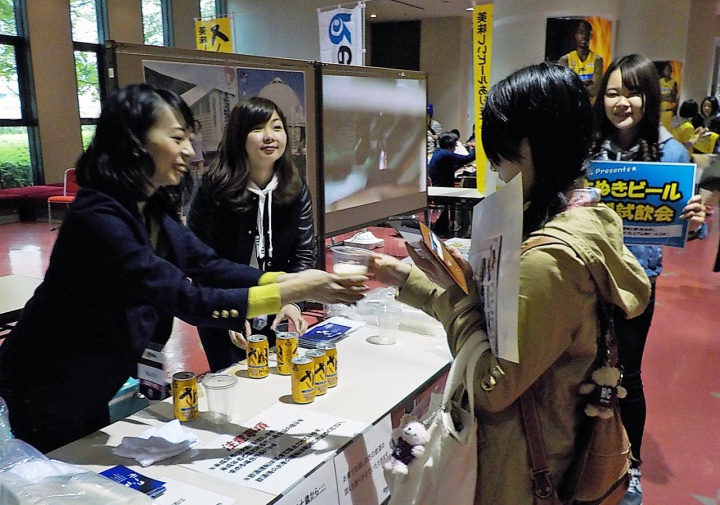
pixel 303 379
pixel 185 396
pixel 257 357
pixel 286 346
pixel 331 370
pixel 320 362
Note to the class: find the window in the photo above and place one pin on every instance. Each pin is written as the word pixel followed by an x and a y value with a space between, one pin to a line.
pixel 20 163
pixel 210 9
pixel 157 24
pixel 88 29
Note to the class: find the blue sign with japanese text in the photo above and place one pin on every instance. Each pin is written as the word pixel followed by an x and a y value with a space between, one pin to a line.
pixel 649 197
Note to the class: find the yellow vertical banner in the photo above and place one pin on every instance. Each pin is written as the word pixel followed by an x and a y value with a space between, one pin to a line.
pixel 482 51
pixel 213 35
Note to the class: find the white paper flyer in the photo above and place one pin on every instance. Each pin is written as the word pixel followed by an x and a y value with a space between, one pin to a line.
pixel 495 255
pixel 277 448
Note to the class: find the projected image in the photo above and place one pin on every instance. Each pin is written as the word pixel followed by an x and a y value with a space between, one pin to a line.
pixel 374 139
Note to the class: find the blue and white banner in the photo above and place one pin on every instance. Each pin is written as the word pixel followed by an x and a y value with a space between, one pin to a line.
pixel 649 197
pixel 342 35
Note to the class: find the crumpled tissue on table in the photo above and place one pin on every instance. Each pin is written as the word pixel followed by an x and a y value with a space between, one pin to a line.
pixel 157 444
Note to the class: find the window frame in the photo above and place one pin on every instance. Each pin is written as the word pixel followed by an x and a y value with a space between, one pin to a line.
pixel 26 87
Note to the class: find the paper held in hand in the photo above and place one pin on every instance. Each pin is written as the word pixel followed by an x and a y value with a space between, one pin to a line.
pixel 441 252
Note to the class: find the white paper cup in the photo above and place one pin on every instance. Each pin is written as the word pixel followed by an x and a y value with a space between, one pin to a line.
pixel 219 390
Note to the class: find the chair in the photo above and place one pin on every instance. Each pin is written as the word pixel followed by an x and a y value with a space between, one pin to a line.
pixel 70 187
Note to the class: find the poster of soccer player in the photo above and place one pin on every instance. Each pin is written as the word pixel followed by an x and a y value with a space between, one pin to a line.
pixel 670 73
pixel 583 44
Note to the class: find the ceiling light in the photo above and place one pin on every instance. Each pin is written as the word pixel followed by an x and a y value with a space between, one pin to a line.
pixel 373 15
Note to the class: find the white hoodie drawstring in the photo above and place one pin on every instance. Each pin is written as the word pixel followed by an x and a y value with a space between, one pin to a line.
pixel 265 196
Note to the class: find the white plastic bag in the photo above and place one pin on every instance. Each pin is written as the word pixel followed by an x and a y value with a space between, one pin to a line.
pixel 27 477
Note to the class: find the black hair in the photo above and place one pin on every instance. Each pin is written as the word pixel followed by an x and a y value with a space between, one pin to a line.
pixel 447 140
pixel 689 109
pixel 548 105
pixel 116 161
pixel 639 75
pixel 582 22
pixel 228 175
pixel 714 105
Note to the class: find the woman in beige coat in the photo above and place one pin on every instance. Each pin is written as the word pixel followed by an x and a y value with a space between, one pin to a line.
pixel 538 123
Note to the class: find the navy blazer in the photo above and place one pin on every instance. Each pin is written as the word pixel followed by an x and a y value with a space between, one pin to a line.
pixel 105 296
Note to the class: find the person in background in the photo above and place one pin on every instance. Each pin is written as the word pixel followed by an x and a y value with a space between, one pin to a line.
pixel 627 127
pixel 434 130
pixel 687 125
pixel 668 96
pixel 252 207
pixel 585 63
pixel 441 169
pixel 709 110
pixel 119 271
pixel 557 342
pixel 459 147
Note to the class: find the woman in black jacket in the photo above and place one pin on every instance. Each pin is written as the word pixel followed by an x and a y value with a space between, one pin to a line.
pixel 252 207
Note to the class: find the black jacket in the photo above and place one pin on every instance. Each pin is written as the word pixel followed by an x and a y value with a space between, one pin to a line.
pixel 105 296
pixel 232 233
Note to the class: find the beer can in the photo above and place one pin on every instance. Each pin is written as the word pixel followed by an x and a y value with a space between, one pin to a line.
pixel 286 346
pixel 257 357
pixel 185 396
pixel 331 369
pixel 320 363
pixel 303 379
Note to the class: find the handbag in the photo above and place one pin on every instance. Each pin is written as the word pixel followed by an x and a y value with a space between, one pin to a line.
pixel 446 472
pixel 601 471
pixel 710 177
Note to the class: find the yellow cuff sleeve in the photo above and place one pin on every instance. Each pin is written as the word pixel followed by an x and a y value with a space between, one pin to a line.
pixel 269 278
pixel 263 299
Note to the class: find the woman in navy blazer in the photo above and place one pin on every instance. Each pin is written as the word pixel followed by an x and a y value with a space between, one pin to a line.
pixel 120 271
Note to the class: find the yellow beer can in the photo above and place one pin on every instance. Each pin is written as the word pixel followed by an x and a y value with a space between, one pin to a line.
pixel 185 396
pixel 320 362
pixel 331 370
pixel 303 379
pixel 286 346
pixel 257 357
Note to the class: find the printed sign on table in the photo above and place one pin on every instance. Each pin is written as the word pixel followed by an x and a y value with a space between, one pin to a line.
pixel 279 447
pixel 649 197
pixel 358 469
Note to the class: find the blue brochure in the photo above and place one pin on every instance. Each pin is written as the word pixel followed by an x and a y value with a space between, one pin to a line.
pixel 649 197
pixel 130 478
pixel 329 331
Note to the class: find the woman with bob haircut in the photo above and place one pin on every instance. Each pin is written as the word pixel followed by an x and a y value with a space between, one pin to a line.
pixel 627 128
pixel 252 207
pixel 119 271
pixel 558 342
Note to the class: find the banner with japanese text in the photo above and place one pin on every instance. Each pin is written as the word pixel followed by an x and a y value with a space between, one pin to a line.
pixel 482 52
pixel 342 35
pixel 213 35
pixel 649 197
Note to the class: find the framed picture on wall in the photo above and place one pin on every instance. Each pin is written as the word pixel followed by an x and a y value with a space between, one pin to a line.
pixel 583 44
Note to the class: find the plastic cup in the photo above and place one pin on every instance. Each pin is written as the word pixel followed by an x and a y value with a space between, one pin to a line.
pixel 388 324
pixel 350 260
pixel 219 389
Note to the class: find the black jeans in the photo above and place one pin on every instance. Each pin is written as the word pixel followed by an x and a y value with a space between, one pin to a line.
pixel 632 335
